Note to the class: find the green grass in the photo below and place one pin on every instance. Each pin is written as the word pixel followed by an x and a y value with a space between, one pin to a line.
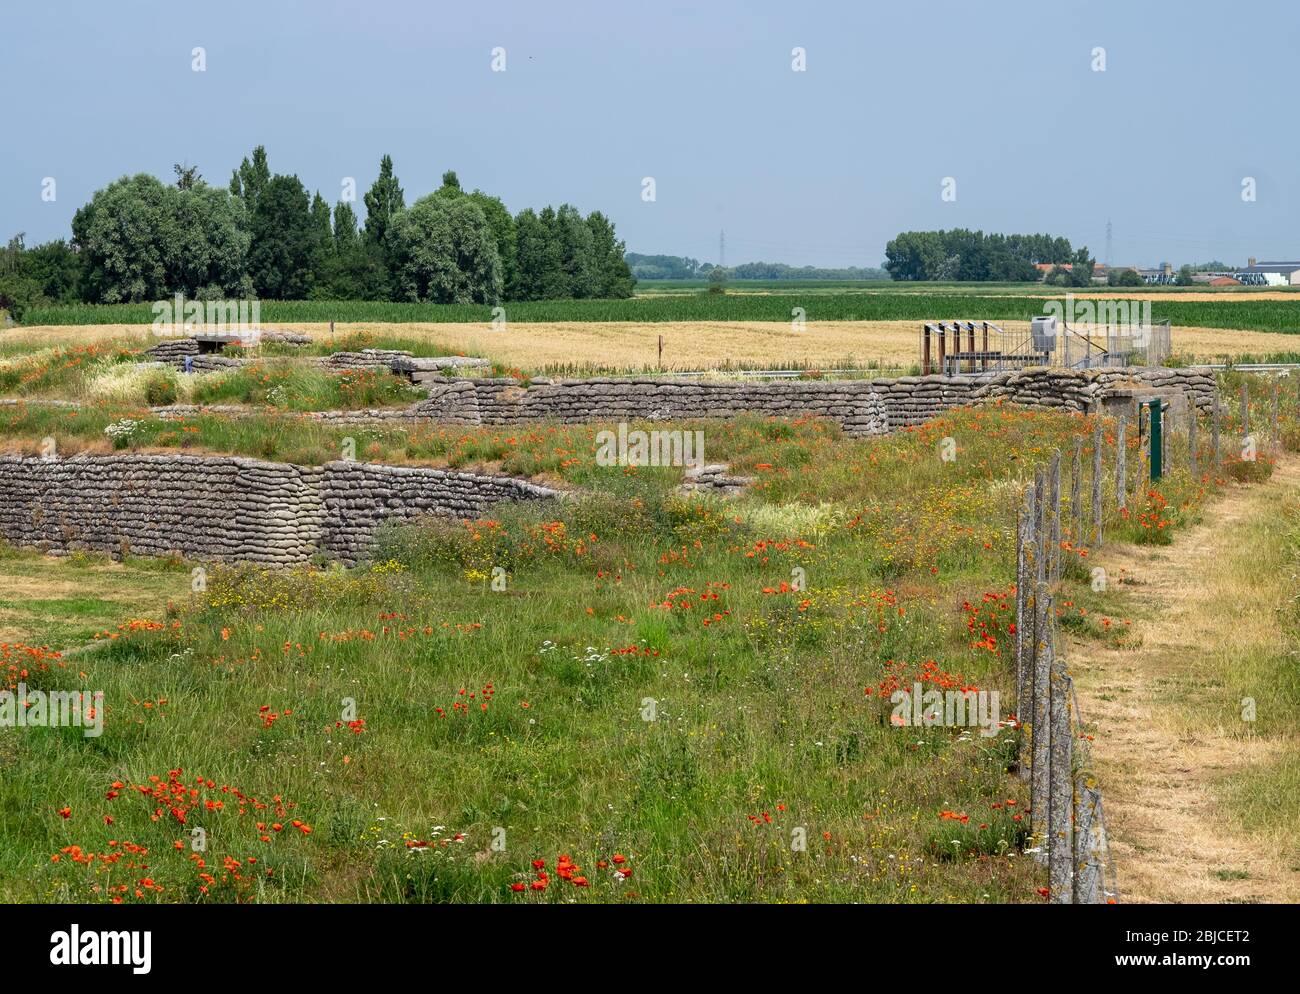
pixel 762 733
pixel 64 601
pixel 887 304
pixel 293 387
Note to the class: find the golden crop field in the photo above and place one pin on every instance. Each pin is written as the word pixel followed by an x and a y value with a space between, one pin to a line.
pixel 539 347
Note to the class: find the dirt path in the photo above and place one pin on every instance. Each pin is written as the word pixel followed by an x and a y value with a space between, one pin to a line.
pixel 1171 839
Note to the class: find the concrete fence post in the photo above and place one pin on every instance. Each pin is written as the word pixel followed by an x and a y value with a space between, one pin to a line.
pixel 1245 408
pixel 1191 441
pixel 1025 629
pixel 1097 440
pixel 1061 784
pixel 1054 512
pixel 1040 733
pixel 1076 483
pixel 1121 464
pixel 1214 426
pixel 1277 400
pixel 1040 525
pixel 1089 842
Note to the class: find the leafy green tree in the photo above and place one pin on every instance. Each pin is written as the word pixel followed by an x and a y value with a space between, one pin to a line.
pixel 1082 269
pixel 914 255
pixel 450 185
pixel 359 271
pixel 122 232
pixel 539 273
pixel 498 217
pixel 206 245
pixel 961 254
pixel 17 293
pixel 1185 275
pixel 384 201
pixel 444 252
pixel 320 217
pixel 141 240
pixel 577 248
pixel 56 269
pixel 503 231
pixel 614 276
pixel 250 179
pixel 285 240
pixel 345 227
pixel 186 176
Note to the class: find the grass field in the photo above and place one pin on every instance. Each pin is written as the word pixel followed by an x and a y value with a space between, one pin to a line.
pixel 65 601
pixel 1272 312
pixel 674 698
pixel 651 693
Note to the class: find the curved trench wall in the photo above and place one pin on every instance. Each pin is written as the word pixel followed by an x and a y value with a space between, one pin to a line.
pixel 227 508
pixel 862 407
pixel 359 497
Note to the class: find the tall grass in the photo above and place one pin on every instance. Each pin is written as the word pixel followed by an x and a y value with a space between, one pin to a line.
pixel 394 709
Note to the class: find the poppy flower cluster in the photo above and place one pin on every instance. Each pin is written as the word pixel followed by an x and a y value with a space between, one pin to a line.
pixel 570 872
pixel 129 628
pixel 762 549
pixel 19 661
pixel 634 650
pixel 900 677
pixel 466 699
pixel 176 797
pixel 765 817
pixel 270 717
pixel 689 598
pixel 988 618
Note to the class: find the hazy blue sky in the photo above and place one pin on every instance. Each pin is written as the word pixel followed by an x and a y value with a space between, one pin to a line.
pixel 819 167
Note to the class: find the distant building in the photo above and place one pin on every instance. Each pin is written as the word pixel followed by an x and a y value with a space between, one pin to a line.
pixel 1164 276
pixel 1099 270
pixel 1270 274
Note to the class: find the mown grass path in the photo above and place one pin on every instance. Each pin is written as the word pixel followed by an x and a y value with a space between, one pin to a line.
pixel 1196 798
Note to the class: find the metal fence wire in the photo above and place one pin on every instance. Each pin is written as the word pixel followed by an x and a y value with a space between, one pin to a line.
pixel 975 347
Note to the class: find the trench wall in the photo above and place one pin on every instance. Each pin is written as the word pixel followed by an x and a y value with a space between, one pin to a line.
pixel 221 508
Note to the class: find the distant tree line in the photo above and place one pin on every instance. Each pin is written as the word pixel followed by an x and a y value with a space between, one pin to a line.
pixel 667 267
pixel 677 267
pixel 963 255
pixel 264 235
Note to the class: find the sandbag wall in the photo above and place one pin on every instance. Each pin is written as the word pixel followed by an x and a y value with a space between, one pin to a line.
pixel 359 497
pixel 222 508
pixel 862 407
pixel 204 507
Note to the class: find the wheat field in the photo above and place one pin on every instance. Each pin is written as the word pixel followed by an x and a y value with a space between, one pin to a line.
pixel 542 347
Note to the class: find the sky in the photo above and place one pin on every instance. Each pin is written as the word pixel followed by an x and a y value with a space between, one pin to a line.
pixel 814 167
